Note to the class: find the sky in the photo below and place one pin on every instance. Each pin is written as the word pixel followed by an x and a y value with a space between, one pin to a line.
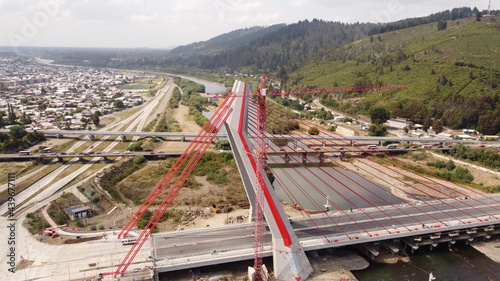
pixel 168 23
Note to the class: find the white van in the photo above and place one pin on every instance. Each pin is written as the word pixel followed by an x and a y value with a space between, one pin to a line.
pixel 128 241
pixel 392 146
pixel 372 146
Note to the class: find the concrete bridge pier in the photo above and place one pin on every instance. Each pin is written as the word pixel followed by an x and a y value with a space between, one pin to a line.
pixel 183 139
pixel 122 138
pixel 304 157
pixel 287 158
pixel 321 157
pixel 91 137
pixel 59 136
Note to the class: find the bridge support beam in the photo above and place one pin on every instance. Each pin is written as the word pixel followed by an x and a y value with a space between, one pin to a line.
pixel 122 138
pixel 91 137
pixel 183 139
pixel 59 136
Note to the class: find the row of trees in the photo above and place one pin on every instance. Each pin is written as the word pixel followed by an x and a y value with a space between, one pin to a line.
pixel 18 139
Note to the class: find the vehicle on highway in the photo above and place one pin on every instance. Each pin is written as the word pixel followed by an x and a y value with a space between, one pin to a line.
pixel 43 154
pixel 413 146
pixel 128 152
pixel 90 152
pixel 152 152
pixel 427 146
pixel 71 153
pixel 481 145
pixel 24 152
pixel 161 151
pixel 98 152
pixel 53 153
pixel 392 146
pixel 63 153
pixel 372 146
pixel 128 241
pixel 116 152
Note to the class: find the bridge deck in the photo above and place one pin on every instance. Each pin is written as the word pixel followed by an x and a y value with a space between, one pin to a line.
pixel 189 249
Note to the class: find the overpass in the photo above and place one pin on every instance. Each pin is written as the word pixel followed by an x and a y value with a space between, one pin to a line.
pixel 82 155
pixel 186 136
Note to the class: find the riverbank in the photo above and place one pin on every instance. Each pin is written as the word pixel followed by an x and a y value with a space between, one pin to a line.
pixel 490 248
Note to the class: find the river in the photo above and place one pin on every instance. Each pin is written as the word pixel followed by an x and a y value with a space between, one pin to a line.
pixel 458 263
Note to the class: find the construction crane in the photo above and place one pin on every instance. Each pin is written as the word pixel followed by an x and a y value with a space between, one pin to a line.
pixel 259 193
pixel 488 13
pixel 185 164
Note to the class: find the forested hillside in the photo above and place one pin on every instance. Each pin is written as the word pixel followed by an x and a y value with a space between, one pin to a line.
pixel 225 41
pixel 452 70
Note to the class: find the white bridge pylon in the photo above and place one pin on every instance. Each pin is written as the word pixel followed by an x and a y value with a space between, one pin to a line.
pixel 289 259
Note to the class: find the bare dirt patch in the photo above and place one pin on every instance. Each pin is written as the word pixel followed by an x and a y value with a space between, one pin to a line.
pixel 181 114
pixel 401 183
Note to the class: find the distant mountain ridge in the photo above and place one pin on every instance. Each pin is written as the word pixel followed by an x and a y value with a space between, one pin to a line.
pixel 225 41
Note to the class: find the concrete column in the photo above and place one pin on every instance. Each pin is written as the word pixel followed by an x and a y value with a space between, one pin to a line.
pixel 304 157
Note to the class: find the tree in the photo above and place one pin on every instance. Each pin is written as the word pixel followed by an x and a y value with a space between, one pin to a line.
pixel 95 118
pixel 377 130
pixel 118 104
pixel 478 16
pixel 223 145
pixel 437 126
pixel 442 25
pixel 11 115
pixel 17 132
pixel 313 131
pixel 25 119
pixel 2 122
pixel 379 115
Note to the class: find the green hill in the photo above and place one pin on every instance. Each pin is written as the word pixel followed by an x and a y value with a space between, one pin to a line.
pixel 452 74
